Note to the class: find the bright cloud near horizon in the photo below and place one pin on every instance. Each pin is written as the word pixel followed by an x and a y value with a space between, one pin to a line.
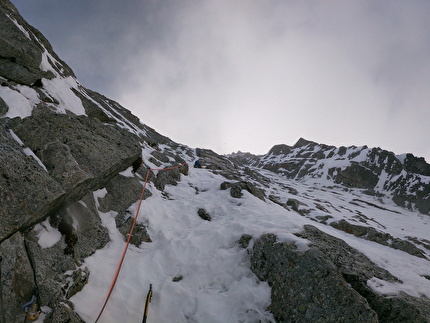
pixel 246 75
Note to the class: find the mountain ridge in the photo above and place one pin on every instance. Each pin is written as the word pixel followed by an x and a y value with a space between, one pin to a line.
pixel 404 177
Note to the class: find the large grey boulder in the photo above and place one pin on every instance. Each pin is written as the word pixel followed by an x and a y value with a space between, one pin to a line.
pixel 328 283
pixel 169 177
pixel 77 148
pixel 306 286
pixel 236 189
pixel 219 164
pixel 357 269
pixel 123 191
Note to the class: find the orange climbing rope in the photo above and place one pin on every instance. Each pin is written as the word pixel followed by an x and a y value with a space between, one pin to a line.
pixel 129 236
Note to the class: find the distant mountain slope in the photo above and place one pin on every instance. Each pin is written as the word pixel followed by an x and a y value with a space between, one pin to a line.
pixel 404 178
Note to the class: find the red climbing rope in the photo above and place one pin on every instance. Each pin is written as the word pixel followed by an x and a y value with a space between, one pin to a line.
pixel 129 236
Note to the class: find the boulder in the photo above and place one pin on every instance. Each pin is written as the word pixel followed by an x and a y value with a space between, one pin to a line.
pixel 328 283
pixel 357 269
pixel 140 234
pixel 306 286
pixel 204 215
pixel 236 189
pixel 169 176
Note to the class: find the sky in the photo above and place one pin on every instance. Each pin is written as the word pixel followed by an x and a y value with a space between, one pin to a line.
pixel 246 75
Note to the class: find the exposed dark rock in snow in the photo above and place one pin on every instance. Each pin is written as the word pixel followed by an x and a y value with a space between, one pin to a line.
pixel 236 189
pixel 3 107
pixel 306 286
pixel 328 282
pixel 204 215
pixel 140 234
pixel 219 164
pixel 244 240
pixel 169 177
pixel 121 193
pixel 383 238
pixel 297 206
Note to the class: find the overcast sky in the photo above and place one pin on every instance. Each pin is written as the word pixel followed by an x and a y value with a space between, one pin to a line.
pixel 245 75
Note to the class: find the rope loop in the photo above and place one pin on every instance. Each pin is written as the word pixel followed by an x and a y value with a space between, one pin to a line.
pixel 130 234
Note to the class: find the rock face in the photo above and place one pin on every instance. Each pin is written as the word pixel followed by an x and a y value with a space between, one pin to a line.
pixel 79 155
pixel 59 145
pixel 36 187
pixel 20 64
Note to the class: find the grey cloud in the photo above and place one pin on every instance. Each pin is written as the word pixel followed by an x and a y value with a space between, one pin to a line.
pixel 232 75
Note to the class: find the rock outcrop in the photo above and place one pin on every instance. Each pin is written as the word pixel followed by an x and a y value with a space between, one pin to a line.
pixel 77 154
pixel 328 283
pixel 18 63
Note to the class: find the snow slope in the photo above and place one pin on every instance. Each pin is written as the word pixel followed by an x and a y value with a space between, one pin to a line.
pixel 198 271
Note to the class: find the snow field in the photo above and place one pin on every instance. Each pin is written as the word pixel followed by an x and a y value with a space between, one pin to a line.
pixel 213 282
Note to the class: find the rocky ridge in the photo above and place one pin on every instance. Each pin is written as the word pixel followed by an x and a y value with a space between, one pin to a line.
pixel 62 144
pixel 405 178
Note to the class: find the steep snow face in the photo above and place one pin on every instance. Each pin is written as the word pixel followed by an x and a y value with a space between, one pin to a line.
pixel 19 105
pixel 200 274
pixel 21 99
pixel 61 89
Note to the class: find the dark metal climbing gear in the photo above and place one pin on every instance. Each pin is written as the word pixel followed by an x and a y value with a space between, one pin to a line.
pixel 148 300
